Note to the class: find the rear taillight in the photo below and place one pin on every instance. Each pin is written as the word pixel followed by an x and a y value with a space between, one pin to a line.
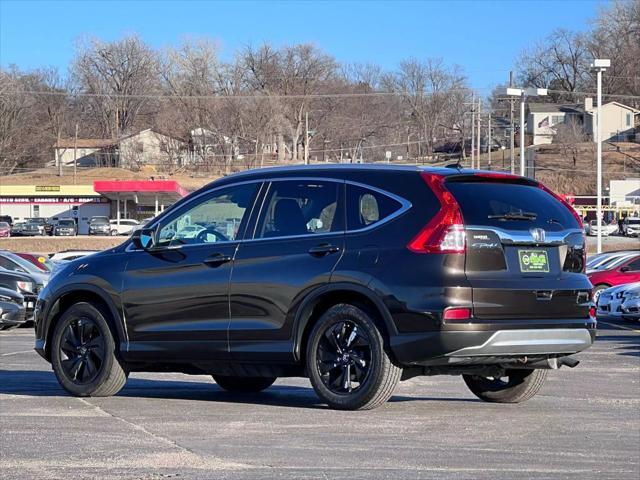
pixel 445 231
pixel 457 314
pixel 592 313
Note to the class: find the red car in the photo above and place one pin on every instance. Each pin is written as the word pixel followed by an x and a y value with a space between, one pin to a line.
pixel 40 261
pixel 5 229
pixel 624 269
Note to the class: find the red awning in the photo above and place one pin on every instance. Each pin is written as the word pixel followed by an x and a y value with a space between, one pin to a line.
pixel 144 191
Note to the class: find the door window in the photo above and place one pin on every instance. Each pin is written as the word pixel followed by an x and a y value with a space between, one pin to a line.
pixel 220 217
pixel 634 266
pixel 301 208
pixel 367 207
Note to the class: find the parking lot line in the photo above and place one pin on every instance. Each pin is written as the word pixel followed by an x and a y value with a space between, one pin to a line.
pixel 619 326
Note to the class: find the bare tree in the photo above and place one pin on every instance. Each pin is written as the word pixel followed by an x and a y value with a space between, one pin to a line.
pixel 118 76
pixel 559 62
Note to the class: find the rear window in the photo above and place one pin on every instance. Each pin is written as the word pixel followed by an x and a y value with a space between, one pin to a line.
pixel 491 204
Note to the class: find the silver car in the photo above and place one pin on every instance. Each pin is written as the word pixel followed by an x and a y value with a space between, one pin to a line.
pixel 630 307
pixel 611 300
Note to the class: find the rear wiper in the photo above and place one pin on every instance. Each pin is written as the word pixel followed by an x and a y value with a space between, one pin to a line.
pixel 515 216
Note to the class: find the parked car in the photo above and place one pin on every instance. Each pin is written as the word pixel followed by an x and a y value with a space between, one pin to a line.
pixel 610 300
pixel 602 261
pixel 50 226
pixel 99 226
pixel 34 227
pixel 17 228
pixel 15 263
pixel 6 218
pixel 607 228
pixel 620 270
pixel 126 227
pixel 66 227
pixel 630 307
pixel 632 227
pixel 12 309
pixel 40 261
pixel 23 284
pixel 355 276
pixel 5 229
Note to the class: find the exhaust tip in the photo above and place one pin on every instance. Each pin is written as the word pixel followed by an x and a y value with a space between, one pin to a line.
pixel 569 361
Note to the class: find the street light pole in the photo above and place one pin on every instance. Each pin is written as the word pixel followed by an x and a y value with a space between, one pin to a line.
pixel 473 130
pixel 600 65
pixel 523 99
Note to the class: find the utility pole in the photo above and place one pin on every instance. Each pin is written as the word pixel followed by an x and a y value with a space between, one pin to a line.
pixel 489 135
pixel 473 127
pixel 511 129
pixel 58 157
pixel 523 99
pixel 306 138
pixel 75 155
pixel 479 137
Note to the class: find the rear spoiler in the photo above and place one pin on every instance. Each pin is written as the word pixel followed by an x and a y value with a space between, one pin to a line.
pixel 498 177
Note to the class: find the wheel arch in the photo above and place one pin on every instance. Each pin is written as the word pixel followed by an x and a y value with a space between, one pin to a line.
pixel 84 293
pixel 318 302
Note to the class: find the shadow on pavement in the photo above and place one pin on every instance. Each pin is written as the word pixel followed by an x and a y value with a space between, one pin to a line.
pixel 626 342
pixel 44 384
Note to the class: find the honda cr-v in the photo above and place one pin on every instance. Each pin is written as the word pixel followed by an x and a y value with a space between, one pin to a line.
pixel 356 277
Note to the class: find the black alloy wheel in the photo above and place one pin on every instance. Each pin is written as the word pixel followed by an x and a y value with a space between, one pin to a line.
pixel 344 357
pixel 82 351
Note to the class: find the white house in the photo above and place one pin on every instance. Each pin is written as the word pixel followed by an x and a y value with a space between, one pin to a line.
pixel 147 147
pixel 618 122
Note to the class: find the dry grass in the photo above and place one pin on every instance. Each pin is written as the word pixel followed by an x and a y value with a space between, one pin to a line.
pixel 86 176
pixel 47 245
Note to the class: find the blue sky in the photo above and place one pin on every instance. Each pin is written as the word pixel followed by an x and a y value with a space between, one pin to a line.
pixel 484 37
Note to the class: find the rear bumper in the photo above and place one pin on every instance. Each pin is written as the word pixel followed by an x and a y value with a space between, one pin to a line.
pixel 471 345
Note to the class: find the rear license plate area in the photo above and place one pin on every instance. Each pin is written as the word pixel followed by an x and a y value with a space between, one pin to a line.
pixel 533 261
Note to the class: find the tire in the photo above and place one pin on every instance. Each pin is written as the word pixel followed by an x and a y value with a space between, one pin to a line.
pixel 362 376
pixel 83 343
pixel 597 290
pixel 243 384
pixel 114 233
pixel 520 385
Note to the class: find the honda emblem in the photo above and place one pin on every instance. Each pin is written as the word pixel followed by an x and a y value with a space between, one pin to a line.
pixel 538 234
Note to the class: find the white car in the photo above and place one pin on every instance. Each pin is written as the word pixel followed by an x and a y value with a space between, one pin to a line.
pixel 125 227
pixel 607 228
pixel 610 301
pixel 630 307
pixel 632 227
pixel 190 231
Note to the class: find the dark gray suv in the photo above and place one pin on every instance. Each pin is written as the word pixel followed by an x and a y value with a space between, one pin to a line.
pixel 356 277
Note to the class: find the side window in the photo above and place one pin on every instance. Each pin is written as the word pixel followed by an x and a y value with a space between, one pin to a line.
pixel 216 218
pixel 9 265
pixel 367 207
pixel 300 208
pixel 635 265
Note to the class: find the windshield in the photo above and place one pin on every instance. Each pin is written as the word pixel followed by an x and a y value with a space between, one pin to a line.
pixel 4 225
pixel 66 223
pixel 23 263
pixel 99 221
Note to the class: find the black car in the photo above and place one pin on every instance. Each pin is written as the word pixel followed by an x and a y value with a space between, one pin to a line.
pixel 65 227
pixel 12 309
pixel 354 276
pixel 7 218
pixel 24 285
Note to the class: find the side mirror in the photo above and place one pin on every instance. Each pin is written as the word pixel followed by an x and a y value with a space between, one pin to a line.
pixel 145 238
pixel 625 268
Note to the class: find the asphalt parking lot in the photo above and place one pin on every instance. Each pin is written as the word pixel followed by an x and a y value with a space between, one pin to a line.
pixel 585 423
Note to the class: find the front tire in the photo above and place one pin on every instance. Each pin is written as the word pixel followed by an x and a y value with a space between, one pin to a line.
pixel 347 363
pixel 597 290
pixel 83 353
pixel 515 386
pixel 243 384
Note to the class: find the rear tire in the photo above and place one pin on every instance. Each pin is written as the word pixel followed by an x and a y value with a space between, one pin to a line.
pixel 243 384
pixel 597 290
pixel 515 387
pixel 83 353
pixel 347 363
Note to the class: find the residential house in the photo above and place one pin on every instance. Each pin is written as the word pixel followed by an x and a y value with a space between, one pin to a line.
pixel 618 120
pixel 147 147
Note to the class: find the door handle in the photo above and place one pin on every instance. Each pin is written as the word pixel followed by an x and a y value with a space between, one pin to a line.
pixel 323 250
pixel 217 259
